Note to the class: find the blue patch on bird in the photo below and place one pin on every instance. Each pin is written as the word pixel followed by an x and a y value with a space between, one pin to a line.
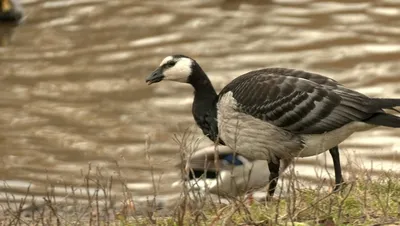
pixel 231 159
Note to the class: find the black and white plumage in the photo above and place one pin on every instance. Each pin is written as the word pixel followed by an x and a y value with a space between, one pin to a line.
pixel 218 170
pixel 11 11
pixel 278 113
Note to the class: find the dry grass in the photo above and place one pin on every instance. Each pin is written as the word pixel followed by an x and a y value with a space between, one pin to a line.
pixel 366 200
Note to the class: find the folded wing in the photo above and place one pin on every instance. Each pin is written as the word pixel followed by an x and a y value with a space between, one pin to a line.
pixel 298 101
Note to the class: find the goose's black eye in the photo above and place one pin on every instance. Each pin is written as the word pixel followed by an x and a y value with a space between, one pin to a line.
pixel 171 63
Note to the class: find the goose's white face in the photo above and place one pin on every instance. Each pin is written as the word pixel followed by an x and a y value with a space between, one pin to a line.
pixel 173 68
pixel 179 70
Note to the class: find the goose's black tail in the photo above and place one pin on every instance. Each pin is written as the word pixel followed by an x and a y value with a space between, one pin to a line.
pixel 382 118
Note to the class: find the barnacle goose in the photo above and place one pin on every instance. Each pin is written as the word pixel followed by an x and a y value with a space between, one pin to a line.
pixel 11 11
pixel 277 113
pixel 220 171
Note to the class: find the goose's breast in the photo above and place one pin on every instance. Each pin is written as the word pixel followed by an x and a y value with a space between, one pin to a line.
pixel 252 137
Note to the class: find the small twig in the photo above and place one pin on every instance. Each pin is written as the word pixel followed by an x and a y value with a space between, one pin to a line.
pixel 53 210
pixel 342 202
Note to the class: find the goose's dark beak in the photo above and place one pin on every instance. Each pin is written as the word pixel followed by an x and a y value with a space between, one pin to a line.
pixel 155 76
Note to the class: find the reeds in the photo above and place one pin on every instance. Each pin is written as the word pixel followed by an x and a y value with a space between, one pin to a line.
pixel 367 199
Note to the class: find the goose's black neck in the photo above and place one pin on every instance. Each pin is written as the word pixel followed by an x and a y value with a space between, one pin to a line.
pixel 203 88
pixel 204 107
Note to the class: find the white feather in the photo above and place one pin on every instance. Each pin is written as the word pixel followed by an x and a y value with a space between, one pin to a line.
pixel 180 71
pixel 318 143
pixel 166 60
pixel 252 137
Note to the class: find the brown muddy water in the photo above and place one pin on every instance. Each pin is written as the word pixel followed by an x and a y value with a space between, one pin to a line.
pixel 66 101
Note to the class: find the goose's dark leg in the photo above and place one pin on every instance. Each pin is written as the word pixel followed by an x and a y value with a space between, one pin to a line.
pixel 273 178
pixel 336 165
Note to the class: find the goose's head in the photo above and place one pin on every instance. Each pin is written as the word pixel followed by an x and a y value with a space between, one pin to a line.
pixel 178 68
pixel 10 11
